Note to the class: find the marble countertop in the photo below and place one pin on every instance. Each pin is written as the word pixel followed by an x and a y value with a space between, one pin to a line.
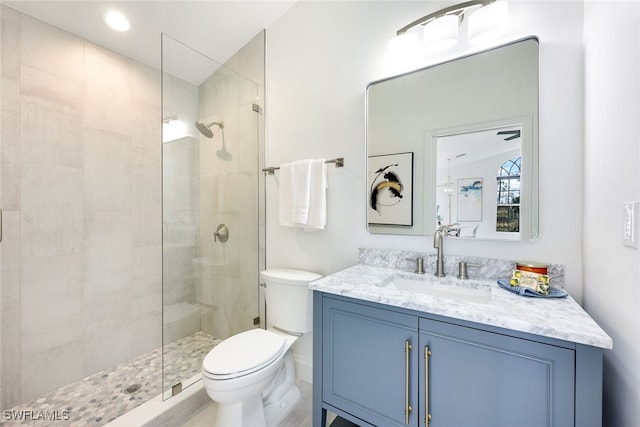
pixel 560 318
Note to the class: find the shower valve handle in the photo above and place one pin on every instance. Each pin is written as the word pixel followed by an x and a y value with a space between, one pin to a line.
pixel 221 233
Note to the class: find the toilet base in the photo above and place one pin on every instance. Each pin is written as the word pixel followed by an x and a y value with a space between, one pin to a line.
pixel 249 412
pixel 275 412
pixel 282 396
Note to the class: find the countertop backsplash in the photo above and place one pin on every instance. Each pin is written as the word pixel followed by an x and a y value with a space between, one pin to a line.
pixel 490 268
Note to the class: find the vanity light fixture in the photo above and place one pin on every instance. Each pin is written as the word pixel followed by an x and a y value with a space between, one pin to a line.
pixel 489 22
pixel 488 19
pixel 441 33
pixel 403 47
pixel 117 21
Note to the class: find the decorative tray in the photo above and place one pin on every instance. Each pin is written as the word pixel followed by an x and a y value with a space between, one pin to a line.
pixel 528 292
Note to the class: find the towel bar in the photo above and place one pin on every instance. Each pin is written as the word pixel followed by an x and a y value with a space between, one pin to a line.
pixel 339 163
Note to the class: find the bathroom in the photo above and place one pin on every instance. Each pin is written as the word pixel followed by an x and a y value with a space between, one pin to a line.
pixel 322 55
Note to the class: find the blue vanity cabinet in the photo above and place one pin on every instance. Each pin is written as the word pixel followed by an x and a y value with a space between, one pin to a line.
pixel 370 363
pixel 475 375
pixel 471 377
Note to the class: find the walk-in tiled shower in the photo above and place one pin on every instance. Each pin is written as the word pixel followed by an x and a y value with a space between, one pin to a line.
pixel 113 282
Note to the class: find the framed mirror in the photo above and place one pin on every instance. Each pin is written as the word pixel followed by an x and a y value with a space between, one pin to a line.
pixel 457 144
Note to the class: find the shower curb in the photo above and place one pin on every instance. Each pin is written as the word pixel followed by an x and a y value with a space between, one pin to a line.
pixel 166 413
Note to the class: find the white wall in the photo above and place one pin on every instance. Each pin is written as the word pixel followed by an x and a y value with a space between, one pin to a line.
pixel 321 56
pixel 612 157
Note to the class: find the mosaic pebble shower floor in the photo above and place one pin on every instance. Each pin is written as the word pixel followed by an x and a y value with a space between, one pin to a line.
pixel 102 397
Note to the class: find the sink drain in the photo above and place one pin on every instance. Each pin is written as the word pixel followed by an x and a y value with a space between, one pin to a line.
pixel 132 388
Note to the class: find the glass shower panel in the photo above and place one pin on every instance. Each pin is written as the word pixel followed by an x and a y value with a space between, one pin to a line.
pixel 210 185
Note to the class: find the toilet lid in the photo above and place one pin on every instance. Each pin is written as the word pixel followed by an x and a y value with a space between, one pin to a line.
pixel 244 352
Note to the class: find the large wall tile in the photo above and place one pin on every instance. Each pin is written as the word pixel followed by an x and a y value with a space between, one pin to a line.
pixel 10 38
pixel 50 49
pixel 108 332
pixel 107 171
pixel 10 164
pixel 52 210
pixel 52 302
pixel 108 99
pixel 11 261
pixel 179 182
pixel 10 94
pixel 11 357
pixel 146 186
pixel 51 119
pixel 147 281
pixel 50 369
pixel 146 333
pixel 108 253
pixel 10 312
pixel 9 59
pixel 146 85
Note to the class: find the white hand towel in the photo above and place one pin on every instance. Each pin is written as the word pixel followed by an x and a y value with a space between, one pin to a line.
pixel 294 197
pixel 317 196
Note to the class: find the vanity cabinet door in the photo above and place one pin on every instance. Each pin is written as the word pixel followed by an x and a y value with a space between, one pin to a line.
pixel 479 378
pixel 368 370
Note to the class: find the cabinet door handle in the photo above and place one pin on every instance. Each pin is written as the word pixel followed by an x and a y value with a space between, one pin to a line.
pixel 427 416
pixel 407 407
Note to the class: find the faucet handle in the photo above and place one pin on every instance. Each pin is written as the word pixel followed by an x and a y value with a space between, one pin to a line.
pixel 462 269
pixel 419 264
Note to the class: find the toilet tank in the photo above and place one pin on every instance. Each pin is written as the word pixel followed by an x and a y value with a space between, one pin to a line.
pixel 289 300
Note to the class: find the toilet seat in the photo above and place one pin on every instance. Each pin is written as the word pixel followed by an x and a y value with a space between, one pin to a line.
pixel 243 354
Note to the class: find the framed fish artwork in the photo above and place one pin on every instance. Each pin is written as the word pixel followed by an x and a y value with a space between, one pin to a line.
pixel 390 189
pixel 470 199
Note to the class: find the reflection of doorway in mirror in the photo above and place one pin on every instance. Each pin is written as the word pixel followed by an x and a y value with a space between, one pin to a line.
pixel 471 158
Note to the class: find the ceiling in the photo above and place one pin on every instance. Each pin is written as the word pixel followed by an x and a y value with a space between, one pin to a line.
pixel 216 29
pixel 459 149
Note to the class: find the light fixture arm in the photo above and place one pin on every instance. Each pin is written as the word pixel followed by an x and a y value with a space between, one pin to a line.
pixel 456 9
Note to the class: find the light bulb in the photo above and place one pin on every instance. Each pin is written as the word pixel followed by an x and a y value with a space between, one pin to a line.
pixel 403 46
pixel 489 22
pixel 441 33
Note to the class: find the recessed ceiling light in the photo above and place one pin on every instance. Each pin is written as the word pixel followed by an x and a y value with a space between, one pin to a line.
pixel 116 20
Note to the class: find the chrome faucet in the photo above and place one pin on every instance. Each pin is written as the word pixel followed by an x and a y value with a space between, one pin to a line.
pixel 438 244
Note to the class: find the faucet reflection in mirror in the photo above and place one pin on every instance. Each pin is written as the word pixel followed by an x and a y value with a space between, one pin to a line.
pixel 487 20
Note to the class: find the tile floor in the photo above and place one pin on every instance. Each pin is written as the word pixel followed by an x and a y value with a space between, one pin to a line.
pixel 104 396
pixel 300 416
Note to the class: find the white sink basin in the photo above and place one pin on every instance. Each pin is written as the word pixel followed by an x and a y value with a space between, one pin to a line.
pixel 443 287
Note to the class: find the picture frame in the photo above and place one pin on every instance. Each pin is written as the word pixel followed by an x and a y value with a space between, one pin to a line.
pixel 469 199
pixel 390 189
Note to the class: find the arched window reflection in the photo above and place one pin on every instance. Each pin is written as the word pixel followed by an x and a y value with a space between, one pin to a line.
pixel 508 212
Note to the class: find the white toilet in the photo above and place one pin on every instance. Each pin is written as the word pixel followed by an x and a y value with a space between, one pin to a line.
pixel 251 375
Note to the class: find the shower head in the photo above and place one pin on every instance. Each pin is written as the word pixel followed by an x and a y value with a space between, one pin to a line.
pixel 206 129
